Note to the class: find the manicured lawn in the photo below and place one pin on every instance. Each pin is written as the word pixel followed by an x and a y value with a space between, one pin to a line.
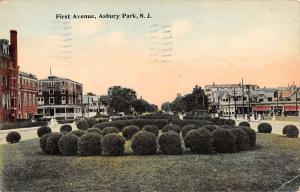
pixel 275 161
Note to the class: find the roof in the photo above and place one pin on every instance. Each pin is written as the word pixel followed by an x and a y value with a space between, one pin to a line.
pixel 287 93
pixel 28 75
pixel 55 78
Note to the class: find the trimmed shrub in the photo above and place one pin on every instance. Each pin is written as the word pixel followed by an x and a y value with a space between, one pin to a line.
pixel 229 122
pixel 226 127
pixel 67 144
pixel 113 144
pixel 170 143
pixel 43 130
pixel 171 127
pixel 82 125
pixel 242 141
pixel 264 128
pixel 66 128
pixel 220 121
pixel 290 131
pixel 52 143
pixel 78 133
pixel 129 131
pixel 151 128
pixel 13 137
pixel 244 124
pixel 210 128
pixel 89 144
pixel 251 134
pixel 94 130
pixel 108 130
pixel 199 141
pixel 144 143
pixel 187 128
pixel 43 141
pixel 224 141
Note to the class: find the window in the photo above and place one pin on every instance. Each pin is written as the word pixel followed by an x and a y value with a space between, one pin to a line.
pixel 51 91
pixel 25 99
pixel 33 100
pixel 51 84
pixel 63 91
pixel 40 92
pixel 51 100
pixel 40 100
pixel 63 100
pixel 40 84
pixel 62 83
pixel 30 99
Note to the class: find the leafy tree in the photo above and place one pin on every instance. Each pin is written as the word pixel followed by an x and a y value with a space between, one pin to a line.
pixel 140 105
pixel 196 100
pixel 118 91
pixel 166 107
pixel 119 104
pixel 178 105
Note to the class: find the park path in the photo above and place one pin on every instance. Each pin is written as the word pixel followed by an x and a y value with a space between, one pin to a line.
pixel 29 133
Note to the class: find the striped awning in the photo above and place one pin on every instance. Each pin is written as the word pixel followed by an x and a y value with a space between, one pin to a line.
pixel 262 108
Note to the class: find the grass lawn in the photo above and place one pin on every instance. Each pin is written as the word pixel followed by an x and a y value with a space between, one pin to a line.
pixel 275 161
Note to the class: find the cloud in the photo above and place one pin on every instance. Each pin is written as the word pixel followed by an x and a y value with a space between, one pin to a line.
pixel 181 27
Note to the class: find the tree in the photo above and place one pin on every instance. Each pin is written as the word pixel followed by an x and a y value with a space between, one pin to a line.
pixel 178 105
pixel 119 104
pixel 196 100
pixel 166 107
pixel 140 105
pixel 118 91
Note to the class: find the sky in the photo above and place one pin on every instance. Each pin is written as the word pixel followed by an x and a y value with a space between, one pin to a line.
pixel 183 44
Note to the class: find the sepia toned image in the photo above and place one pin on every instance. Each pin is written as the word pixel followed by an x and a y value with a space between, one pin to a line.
pixel 149 96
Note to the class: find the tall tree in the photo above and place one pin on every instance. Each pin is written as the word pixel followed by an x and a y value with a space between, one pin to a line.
pixel 118 91
pixel 119 104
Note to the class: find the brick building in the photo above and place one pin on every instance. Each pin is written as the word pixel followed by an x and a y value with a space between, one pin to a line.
pixel 27 102
pixel 59 98
pixel 9 71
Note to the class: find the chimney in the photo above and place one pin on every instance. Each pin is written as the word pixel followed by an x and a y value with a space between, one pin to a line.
pixel 14 48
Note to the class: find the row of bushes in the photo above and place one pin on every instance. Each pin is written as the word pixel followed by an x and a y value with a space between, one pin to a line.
pixel 120 124
pixel 24 124
pixel 94 141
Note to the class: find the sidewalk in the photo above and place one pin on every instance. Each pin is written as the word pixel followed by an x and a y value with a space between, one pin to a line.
pixel 29 133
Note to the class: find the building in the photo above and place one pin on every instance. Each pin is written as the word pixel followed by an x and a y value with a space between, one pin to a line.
pixel 237 99
pixel 27 96
pixel 9 71
pixel 59 98
pixel 93 104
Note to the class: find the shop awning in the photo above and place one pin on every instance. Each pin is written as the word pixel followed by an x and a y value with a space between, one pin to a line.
pixel 291 108
pixel 262 108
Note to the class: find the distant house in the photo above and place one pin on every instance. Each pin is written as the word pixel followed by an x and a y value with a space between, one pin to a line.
pixel 95 104
pixel 59 98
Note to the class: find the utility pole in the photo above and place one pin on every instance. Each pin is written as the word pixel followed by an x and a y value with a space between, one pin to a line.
pixel 276 114
pixel 297 102
pixel 234 98
pixel 243 102
pixel 248 87
pixel 229 106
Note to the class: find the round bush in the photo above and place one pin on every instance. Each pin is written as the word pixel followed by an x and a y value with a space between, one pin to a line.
pixel 113 144
pixel 94 130
pixel 108 130
pixel 210 128
pixel 251 134
pixel 185 129
pixel 52 143
pixel 82 125
pixel 264 128
pixel 220 121
pixel 170 143
pixel 13 137
pixel 43 130
pixel 151 128
pixel 223 141
pixel 199 141
pixel 78 133
pixel 67 144
pixel 229 122
pixel 43 141
pixel 89 144
pixel 244 124
pixel 144 143
pixel 242 141
pixel 290 131
pixel 66 128
pixel 129 131
pixel 171 127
